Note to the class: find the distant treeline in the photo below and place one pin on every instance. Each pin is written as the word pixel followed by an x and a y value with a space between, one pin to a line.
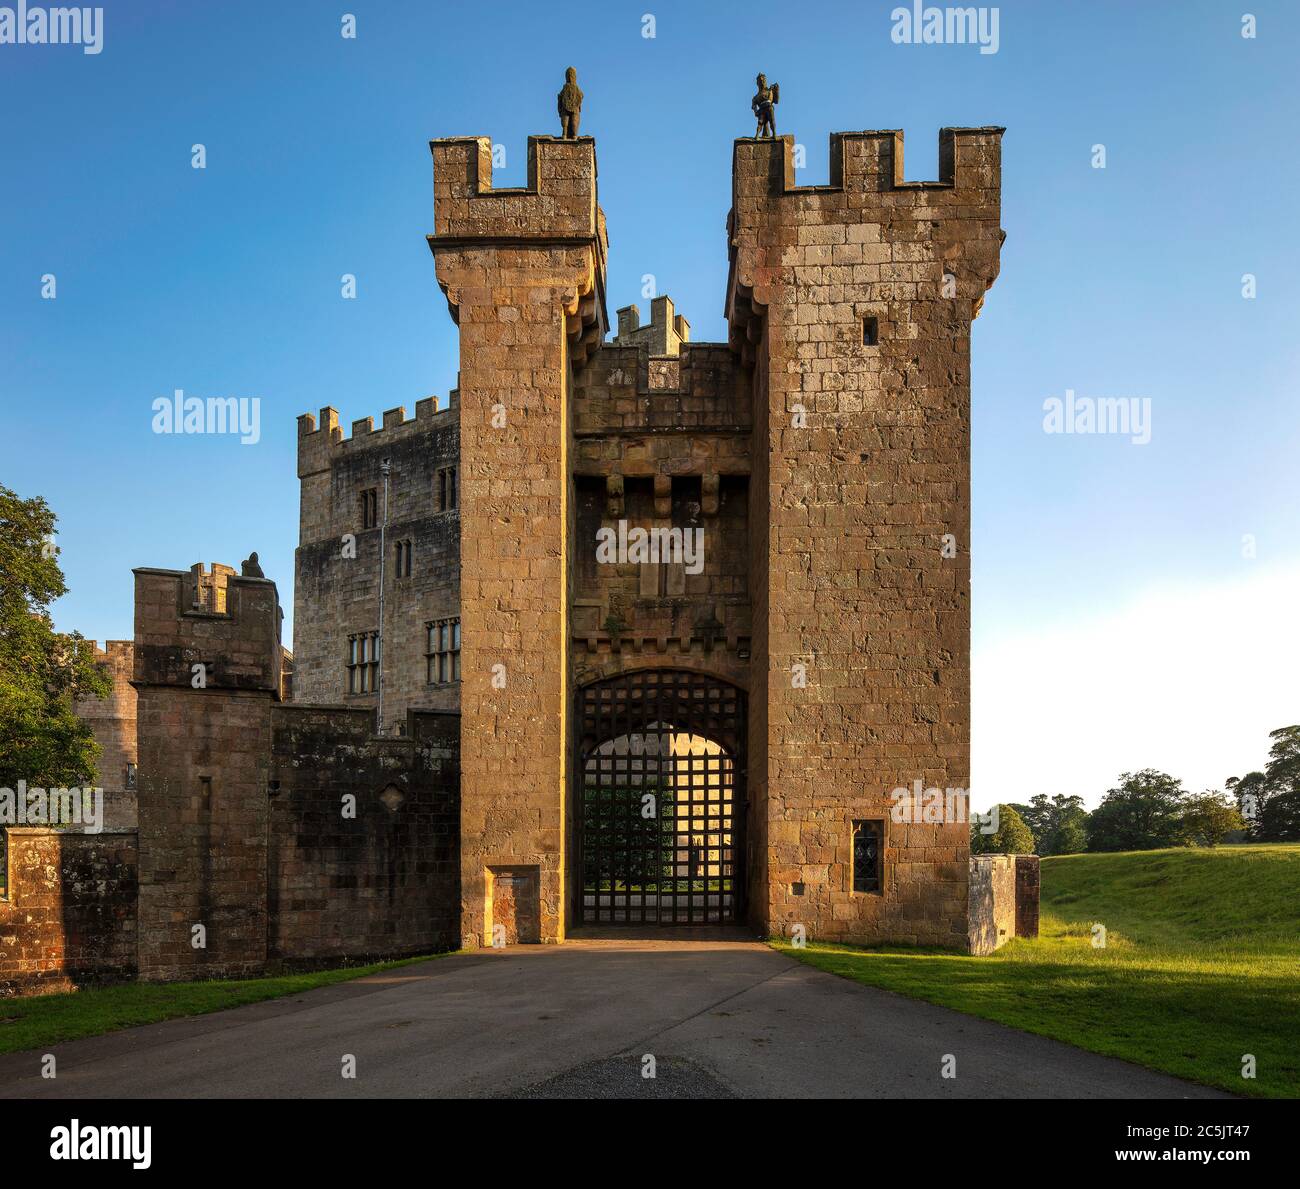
pixel 1150 809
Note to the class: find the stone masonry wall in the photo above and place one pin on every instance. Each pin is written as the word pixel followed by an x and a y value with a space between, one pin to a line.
pixel 68 915
pixel 1003 900
pixel 663 335
pixel 991 917
pixel 853 301
pixel 1027 895
pixel 378 878
pixel 757 865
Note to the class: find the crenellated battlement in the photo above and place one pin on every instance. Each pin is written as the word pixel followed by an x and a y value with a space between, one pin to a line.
pixel 558 203
pixel 869 241
pixel 115 653
pixel 323 440
pixel 969 159
pixel 209 619
pixel 549 234
pixel 663 335
pixel 624 391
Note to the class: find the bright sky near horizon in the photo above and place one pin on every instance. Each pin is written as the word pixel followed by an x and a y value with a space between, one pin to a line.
pixel 1134 604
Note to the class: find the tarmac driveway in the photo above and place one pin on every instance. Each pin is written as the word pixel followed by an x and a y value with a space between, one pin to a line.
pixel 709 1018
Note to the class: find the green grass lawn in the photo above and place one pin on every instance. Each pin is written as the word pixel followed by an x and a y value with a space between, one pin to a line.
pixel 50 1019
pixel 1201 964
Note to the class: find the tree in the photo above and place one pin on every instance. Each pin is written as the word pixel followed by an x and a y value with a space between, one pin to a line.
pixel 42 671
pixel 1209 817
pixel 1142 812
pixel 1071 836
pixel 1250 792
pixel 1056 822
pixel 1270 800
pixel 1033 814
pixel 1280 814
pixel 1012 837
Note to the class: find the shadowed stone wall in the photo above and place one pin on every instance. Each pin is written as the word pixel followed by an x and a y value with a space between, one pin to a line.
pixel 244 826
pixel 669 456
pixel 207 669
pixel 376 876
pixel 992 904
pixel 68 915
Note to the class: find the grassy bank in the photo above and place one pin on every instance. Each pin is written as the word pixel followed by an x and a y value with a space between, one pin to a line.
pixel 1201 964
pixel 53 1019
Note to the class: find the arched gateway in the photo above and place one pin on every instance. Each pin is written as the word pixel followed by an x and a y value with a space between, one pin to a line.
pixel 659 800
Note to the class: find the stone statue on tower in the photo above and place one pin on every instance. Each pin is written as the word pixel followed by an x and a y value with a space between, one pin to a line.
pixel 569 102
pixel 764 105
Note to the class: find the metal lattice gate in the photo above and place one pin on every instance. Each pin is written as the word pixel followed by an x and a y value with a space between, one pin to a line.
pixel 660 800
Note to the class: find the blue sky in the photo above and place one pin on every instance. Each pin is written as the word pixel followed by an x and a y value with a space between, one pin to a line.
pixel 1123 281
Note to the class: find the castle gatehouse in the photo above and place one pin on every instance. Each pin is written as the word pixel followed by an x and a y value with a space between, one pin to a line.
pixel 496 728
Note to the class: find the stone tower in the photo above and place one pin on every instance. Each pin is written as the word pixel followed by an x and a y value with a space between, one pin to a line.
pixel 208 667
pixel 853 302
pixel 524 272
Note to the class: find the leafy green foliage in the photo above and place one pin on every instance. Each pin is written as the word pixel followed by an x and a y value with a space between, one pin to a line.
pixel 1149 809
pixel 1269 801
pixel 1057 823
pixel 1143 812
pixel 1071 836
pixel 1012 836
pixel 1209 817
pixel 42 672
